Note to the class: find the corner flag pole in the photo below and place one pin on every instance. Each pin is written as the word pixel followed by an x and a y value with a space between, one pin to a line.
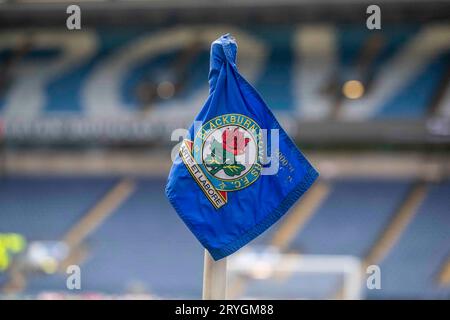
pixel 214 278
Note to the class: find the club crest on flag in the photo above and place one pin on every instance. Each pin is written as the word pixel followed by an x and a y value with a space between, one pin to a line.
pixel 224 156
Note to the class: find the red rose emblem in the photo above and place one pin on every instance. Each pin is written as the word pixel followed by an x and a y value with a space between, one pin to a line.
pixel 233 141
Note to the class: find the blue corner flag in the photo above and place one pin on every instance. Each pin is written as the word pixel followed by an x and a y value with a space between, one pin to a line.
pixel 238 172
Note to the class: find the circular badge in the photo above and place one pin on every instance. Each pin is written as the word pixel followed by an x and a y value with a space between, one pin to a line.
pixel 227 149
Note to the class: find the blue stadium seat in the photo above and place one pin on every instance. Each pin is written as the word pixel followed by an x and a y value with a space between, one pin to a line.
pixel 352 217
pixel 144 242
pixel 411 268
pixel 44 208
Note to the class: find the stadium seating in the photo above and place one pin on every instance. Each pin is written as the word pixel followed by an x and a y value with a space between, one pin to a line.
pixel 128 69
pixel 351 218
pixel 144 242
pixel 44 208
pixel 144 246
pixel 411 269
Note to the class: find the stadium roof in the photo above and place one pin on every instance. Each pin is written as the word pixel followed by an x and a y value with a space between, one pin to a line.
pixel 150 12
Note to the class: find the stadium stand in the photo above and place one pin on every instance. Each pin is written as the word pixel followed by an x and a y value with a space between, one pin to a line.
pixel 348 94
pixel 24 209
pixel 137 245
pixel 412 267
pixel 359 55
pixel 133 246
pixel 142 246
pixel 368 206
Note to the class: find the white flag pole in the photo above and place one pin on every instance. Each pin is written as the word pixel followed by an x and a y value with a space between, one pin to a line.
pixel 214 278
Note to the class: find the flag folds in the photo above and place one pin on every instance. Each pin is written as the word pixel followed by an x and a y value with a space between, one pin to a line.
pixel 237 172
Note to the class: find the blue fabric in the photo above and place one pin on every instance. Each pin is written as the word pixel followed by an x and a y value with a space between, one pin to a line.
pixel 249 201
